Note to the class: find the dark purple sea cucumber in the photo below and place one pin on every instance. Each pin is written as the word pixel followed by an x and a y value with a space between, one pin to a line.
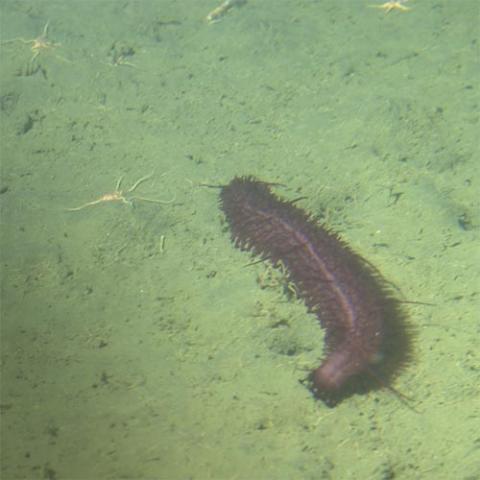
pixel 366 340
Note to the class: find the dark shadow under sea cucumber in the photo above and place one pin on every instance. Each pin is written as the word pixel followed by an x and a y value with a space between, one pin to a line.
pixel 366 339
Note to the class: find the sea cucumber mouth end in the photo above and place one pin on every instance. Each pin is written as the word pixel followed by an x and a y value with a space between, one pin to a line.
pixel 332 394
pixel 330 397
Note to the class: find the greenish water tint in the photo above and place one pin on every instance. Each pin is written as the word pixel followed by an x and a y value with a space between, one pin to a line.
pixel 135 344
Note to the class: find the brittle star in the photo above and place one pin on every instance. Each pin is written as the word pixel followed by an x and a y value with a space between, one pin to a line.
pixel 120 196
pixel 38 44
pixel 392 5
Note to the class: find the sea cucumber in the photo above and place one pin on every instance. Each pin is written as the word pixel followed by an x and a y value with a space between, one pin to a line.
pixel 366 341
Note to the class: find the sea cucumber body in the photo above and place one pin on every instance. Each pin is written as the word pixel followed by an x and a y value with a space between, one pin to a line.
pixel 339 286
